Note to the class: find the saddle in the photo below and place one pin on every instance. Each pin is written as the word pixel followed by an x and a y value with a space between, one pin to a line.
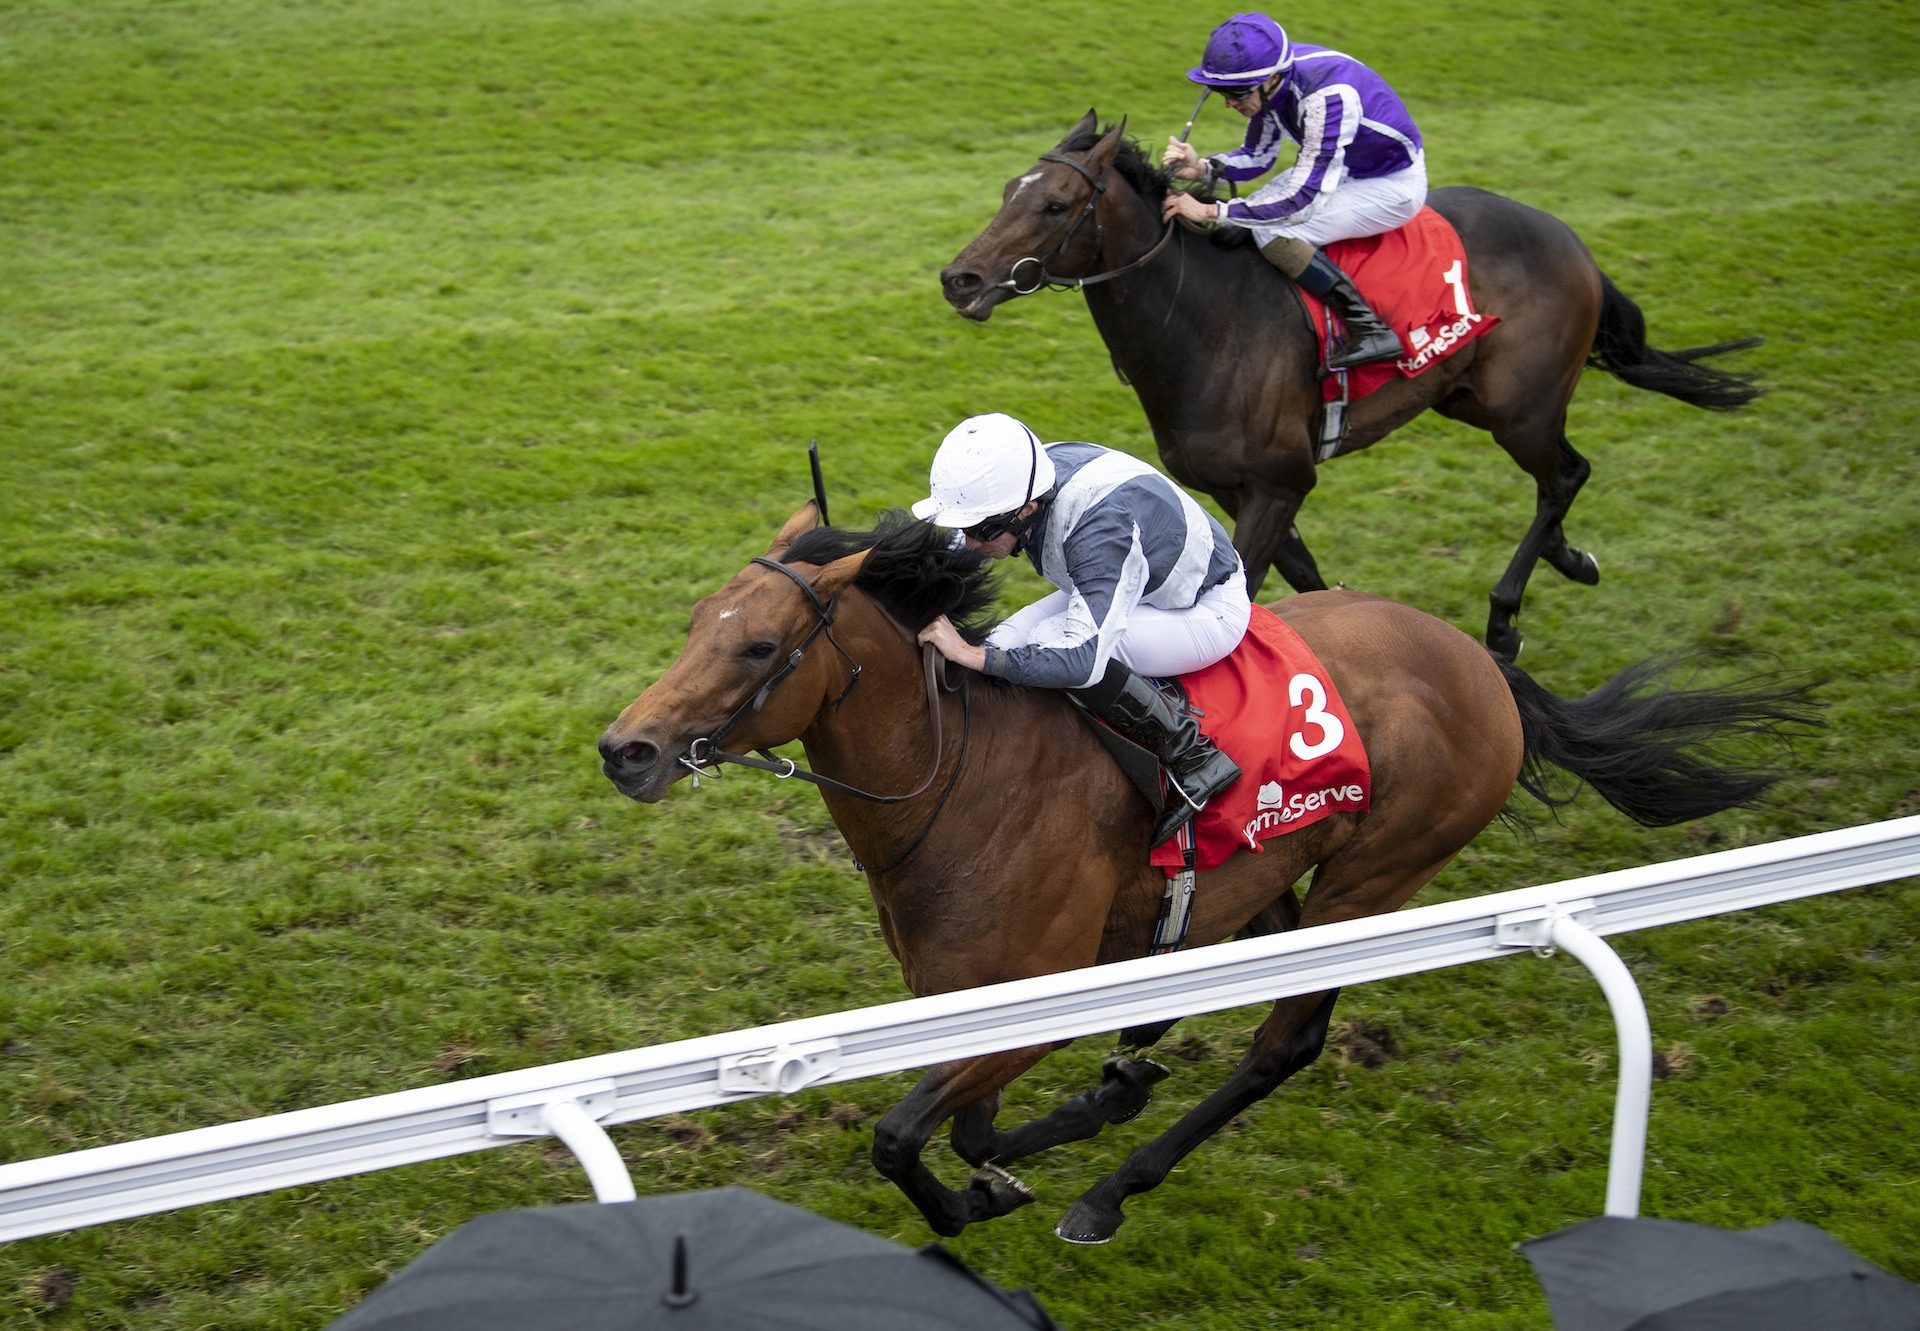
pixel 1415 277
pixel 1272 706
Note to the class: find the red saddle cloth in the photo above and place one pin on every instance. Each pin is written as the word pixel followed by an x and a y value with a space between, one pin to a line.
pixel 1272 707
pixel 1415 277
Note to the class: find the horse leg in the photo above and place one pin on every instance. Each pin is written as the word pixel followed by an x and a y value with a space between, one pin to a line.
pixel 1558 473
pixel 1373 874
pixel 1126 1081
pixel 1264 533
pixel 903 1131
pixel 1578 565
pixel 1291 1038
pixel 1126 1087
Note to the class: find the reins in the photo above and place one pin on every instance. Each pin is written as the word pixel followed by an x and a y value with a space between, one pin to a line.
pixel 1046 279
pixel 705 752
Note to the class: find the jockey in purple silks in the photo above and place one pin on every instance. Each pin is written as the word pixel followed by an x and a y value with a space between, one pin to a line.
pixel 1360 169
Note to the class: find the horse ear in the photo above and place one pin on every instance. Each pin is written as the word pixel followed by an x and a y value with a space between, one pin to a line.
pixel 804 520
pixel 839 573
pixel 1088 123
pixel 1103 152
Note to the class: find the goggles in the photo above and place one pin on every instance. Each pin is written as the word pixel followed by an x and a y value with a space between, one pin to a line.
pixel 1238 94
pixel 988 528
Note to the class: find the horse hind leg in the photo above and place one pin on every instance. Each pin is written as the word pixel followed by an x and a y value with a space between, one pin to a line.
pixel 1558 476
pixel 1127 1079
pixel 1579 565
pixel 1291 1038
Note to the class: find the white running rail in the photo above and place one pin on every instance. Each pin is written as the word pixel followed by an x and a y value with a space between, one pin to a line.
pixel 575 1100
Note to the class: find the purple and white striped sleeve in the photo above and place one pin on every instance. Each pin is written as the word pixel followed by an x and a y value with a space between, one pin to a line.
pixel 1254 157
pixel 1330 118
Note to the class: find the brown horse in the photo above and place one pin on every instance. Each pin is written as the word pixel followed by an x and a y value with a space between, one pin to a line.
pixel 1216 344
pixel 1002 842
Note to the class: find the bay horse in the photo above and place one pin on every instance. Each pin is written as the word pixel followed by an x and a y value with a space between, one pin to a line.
pixel 1215 342
pixel 1000 841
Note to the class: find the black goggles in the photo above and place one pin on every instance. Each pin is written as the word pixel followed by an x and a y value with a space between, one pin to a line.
pixel 988 528
pixel 1238 94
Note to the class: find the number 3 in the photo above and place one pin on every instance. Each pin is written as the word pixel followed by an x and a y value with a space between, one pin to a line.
pixel 1299 689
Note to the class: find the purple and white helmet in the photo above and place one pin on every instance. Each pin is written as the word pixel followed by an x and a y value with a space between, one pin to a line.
pixel 1246 49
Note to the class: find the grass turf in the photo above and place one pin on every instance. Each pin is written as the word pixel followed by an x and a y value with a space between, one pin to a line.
pixel 380 383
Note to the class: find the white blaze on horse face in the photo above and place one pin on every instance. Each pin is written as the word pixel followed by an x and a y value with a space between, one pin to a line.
pixel 728 614
pixel 1024 182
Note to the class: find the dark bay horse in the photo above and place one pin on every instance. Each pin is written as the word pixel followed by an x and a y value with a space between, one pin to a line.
pixel 1216 343
pixel 1021 850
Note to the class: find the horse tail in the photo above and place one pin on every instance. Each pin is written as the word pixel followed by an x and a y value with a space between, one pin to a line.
pixel 1649 749
pixel 1620 348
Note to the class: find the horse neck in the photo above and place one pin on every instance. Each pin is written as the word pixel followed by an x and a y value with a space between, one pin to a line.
pixel 880 739
pixel 1165 322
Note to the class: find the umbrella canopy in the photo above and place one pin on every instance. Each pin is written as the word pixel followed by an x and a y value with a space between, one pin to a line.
pixel 1616 1273
pixel 725 1258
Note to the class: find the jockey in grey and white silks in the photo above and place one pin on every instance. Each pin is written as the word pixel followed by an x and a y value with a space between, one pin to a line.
pixel 1145 575
pixel 1149 584
pixel 1350 127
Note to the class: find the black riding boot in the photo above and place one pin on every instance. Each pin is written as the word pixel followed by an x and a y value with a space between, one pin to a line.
pixel 1141 713
pixel 1368 337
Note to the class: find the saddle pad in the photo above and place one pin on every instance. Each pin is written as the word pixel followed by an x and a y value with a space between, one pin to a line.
pixel 1272 707
pixel 1415 277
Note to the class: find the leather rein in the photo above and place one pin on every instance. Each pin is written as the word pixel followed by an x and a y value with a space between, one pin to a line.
pixel 1042 278
pixel 705 752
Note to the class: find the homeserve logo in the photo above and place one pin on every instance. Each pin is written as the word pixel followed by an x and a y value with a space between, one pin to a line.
pixel 1274 808
pixel 1433 348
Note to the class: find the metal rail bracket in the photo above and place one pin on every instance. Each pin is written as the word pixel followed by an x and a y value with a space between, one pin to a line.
pixel 1534 927
pixel 526 1115
pixel 781 1070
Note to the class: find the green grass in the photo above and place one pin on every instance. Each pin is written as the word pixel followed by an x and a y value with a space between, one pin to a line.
pixel 380 383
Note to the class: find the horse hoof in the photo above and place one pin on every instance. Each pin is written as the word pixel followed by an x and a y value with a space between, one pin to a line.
pixel 1137 1077
pixel 1134 1070
pixel 1088 1225
pixel 1580 566
pixel 1007 1192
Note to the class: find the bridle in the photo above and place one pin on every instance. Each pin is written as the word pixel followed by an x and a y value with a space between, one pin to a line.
pixel 1042 278
pixel 705 752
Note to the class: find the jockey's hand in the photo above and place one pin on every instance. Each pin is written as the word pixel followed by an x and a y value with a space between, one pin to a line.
pixel 1184 161
pixel 1179 203
pixel 947 641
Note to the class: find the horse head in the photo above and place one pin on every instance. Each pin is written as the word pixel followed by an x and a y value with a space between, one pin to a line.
pixel 1045 229
pixel 755 670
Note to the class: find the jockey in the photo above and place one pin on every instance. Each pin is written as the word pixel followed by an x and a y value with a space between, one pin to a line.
pixel 1360 170
pixel 1148 581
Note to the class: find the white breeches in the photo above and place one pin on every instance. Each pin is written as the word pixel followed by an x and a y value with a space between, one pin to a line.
pixel 1155 642
pixel 1356 208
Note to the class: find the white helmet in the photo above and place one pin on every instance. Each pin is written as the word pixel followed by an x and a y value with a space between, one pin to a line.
pixel 986 466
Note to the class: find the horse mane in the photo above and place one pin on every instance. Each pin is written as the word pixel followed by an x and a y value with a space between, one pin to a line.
pixel 915 572
pixel 1152 182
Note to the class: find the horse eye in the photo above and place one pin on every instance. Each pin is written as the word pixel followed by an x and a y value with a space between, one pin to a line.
pixel 760 651
pixel 1054 208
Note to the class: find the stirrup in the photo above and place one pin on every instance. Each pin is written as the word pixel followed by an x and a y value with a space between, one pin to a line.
pixel 1337 359
pixel 1176 816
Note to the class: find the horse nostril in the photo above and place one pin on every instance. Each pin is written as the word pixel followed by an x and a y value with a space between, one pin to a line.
pixel 960 282
pixel 633 754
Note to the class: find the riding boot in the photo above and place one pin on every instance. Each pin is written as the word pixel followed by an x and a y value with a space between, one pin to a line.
pixel 1368 337
pixel 1136 709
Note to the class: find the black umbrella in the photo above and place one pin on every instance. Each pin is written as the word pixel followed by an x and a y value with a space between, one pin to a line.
pixel 726 1258
pixel 1616 1273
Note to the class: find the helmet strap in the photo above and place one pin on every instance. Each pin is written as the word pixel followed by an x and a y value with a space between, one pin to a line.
pixel 1022 528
